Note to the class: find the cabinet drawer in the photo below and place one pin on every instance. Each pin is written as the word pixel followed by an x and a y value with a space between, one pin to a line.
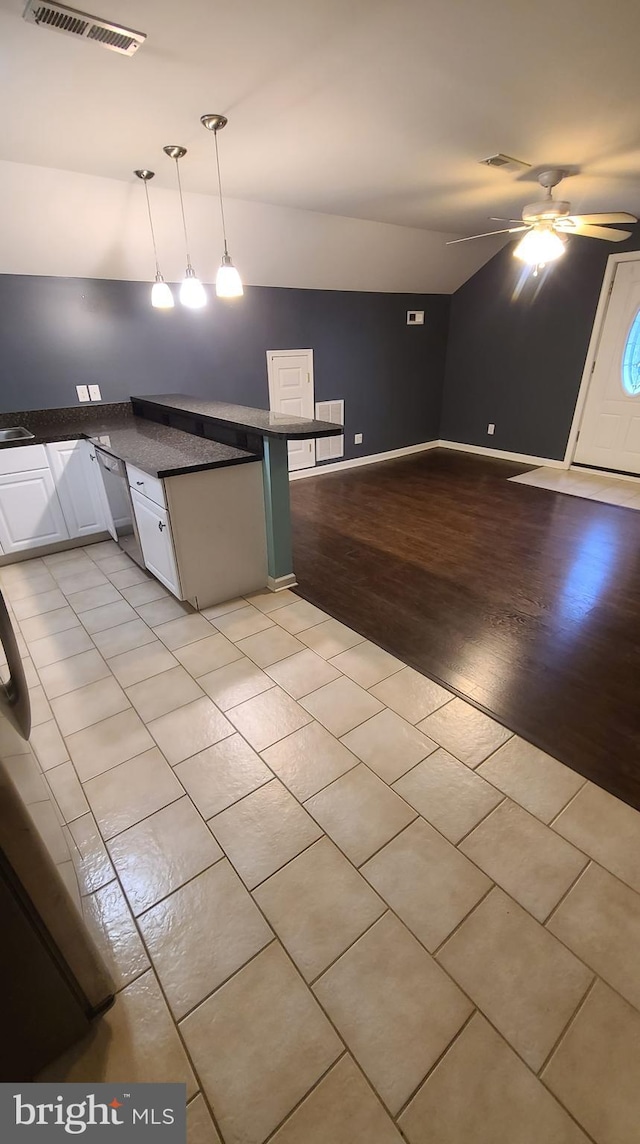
pixel 23 458
pixel 150 486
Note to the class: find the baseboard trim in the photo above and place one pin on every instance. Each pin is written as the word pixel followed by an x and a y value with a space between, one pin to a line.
pixel 279 583
pixel 356 462
pixel 459 446
pixel 502 454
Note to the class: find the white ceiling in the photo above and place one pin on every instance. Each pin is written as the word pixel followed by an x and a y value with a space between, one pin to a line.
pixel 375 109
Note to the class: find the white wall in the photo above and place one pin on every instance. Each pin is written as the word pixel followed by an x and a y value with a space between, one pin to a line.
pixel 67 224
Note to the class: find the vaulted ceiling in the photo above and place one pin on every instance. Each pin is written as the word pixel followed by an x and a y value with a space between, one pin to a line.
pixel 376 109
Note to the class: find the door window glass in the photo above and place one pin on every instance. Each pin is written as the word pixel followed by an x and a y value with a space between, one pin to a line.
pixel 631 360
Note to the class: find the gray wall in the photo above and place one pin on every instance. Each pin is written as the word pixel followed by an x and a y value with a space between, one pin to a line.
pixel 58 332
pixel 518 361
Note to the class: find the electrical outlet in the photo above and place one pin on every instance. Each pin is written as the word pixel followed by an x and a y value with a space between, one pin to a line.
pixel 491 429
pixel 94 393
pixel 83 393
pixel 357 440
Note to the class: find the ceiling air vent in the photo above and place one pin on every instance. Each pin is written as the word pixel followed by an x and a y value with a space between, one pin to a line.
pixel 60 18
pixel 507 161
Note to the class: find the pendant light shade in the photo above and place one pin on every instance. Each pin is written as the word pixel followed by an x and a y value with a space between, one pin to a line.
pixel 228 280
pixel 192 292
pixel 161 296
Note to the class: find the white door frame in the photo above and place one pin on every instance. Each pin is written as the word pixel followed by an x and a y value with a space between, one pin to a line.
pixel 270 377
pixel 613 262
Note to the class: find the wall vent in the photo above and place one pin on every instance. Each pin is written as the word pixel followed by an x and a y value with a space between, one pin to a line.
pixel 330 448
pixel 60 18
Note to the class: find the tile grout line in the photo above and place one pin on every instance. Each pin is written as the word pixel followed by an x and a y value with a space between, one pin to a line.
pixel 552 821
pixel 480 822
pixel 567 1026
pixel 435 1064
pixel 564 896
pixel 386 910
pixel 436 952
pixel 274 940
pixel 316 1084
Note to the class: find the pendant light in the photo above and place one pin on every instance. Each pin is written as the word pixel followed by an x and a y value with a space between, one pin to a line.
pixel 192 292
pixel 161 296
pixel 228 281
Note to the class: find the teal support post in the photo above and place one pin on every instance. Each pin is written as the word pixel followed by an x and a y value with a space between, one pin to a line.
pixel 277 509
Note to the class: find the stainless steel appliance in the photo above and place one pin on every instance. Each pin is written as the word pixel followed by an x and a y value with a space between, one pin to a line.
pixel 54 980
pixel 116 486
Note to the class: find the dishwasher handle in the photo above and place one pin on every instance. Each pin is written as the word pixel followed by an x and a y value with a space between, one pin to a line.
pixel 112 464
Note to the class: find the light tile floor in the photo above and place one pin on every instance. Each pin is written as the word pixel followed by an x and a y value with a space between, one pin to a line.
pixel 604 487
pixel 338 903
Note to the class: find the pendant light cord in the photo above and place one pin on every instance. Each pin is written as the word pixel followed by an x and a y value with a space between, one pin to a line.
pixel 224 229
pixel 184 221
pixel 153 233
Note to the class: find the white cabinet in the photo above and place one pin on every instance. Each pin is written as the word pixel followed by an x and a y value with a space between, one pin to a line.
pixel 156 541
pixel 76 480
pixel 30 513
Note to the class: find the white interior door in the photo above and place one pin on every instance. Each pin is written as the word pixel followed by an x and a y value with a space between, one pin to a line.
pixel 291 390
pixel 610 429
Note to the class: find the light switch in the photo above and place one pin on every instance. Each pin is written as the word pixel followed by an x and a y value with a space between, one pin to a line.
pixel 94 393
pixel 83 393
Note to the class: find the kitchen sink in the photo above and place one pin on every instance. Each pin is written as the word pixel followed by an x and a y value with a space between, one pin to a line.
pixel 15 433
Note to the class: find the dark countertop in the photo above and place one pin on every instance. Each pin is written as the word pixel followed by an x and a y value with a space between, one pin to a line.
pixel 156 449
pixel 262 421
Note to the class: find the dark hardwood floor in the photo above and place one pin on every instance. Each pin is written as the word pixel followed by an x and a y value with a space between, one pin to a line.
pixel 524 601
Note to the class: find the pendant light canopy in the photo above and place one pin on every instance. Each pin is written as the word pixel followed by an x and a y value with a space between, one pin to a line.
pixel 161 296
pixel 192 292
pixel 228 281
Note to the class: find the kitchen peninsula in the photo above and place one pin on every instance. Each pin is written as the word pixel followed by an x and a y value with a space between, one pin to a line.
pixel 260 431
pixel 205 486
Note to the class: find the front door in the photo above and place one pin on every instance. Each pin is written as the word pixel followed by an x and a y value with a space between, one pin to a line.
pixel 610 430
pixel 291 390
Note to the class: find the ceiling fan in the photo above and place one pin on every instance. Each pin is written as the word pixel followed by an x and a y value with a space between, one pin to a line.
pixel 547 223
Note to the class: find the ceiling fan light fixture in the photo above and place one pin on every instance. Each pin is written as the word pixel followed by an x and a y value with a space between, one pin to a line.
pixel 540 245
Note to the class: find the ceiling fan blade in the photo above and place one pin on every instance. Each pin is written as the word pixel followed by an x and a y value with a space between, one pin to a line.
pixel 487 233
pixel 493 218
pixel 603 219
pixel 604 232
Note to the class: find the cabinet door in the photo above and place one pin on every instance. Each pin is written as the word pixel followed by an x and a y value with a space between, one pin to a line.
pixel 30 513
pixel 76 484
pixel 156 541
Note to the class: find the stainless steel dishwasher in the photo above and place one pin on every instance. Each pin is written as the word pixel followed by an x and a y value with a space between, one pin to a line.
pixel 116 486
